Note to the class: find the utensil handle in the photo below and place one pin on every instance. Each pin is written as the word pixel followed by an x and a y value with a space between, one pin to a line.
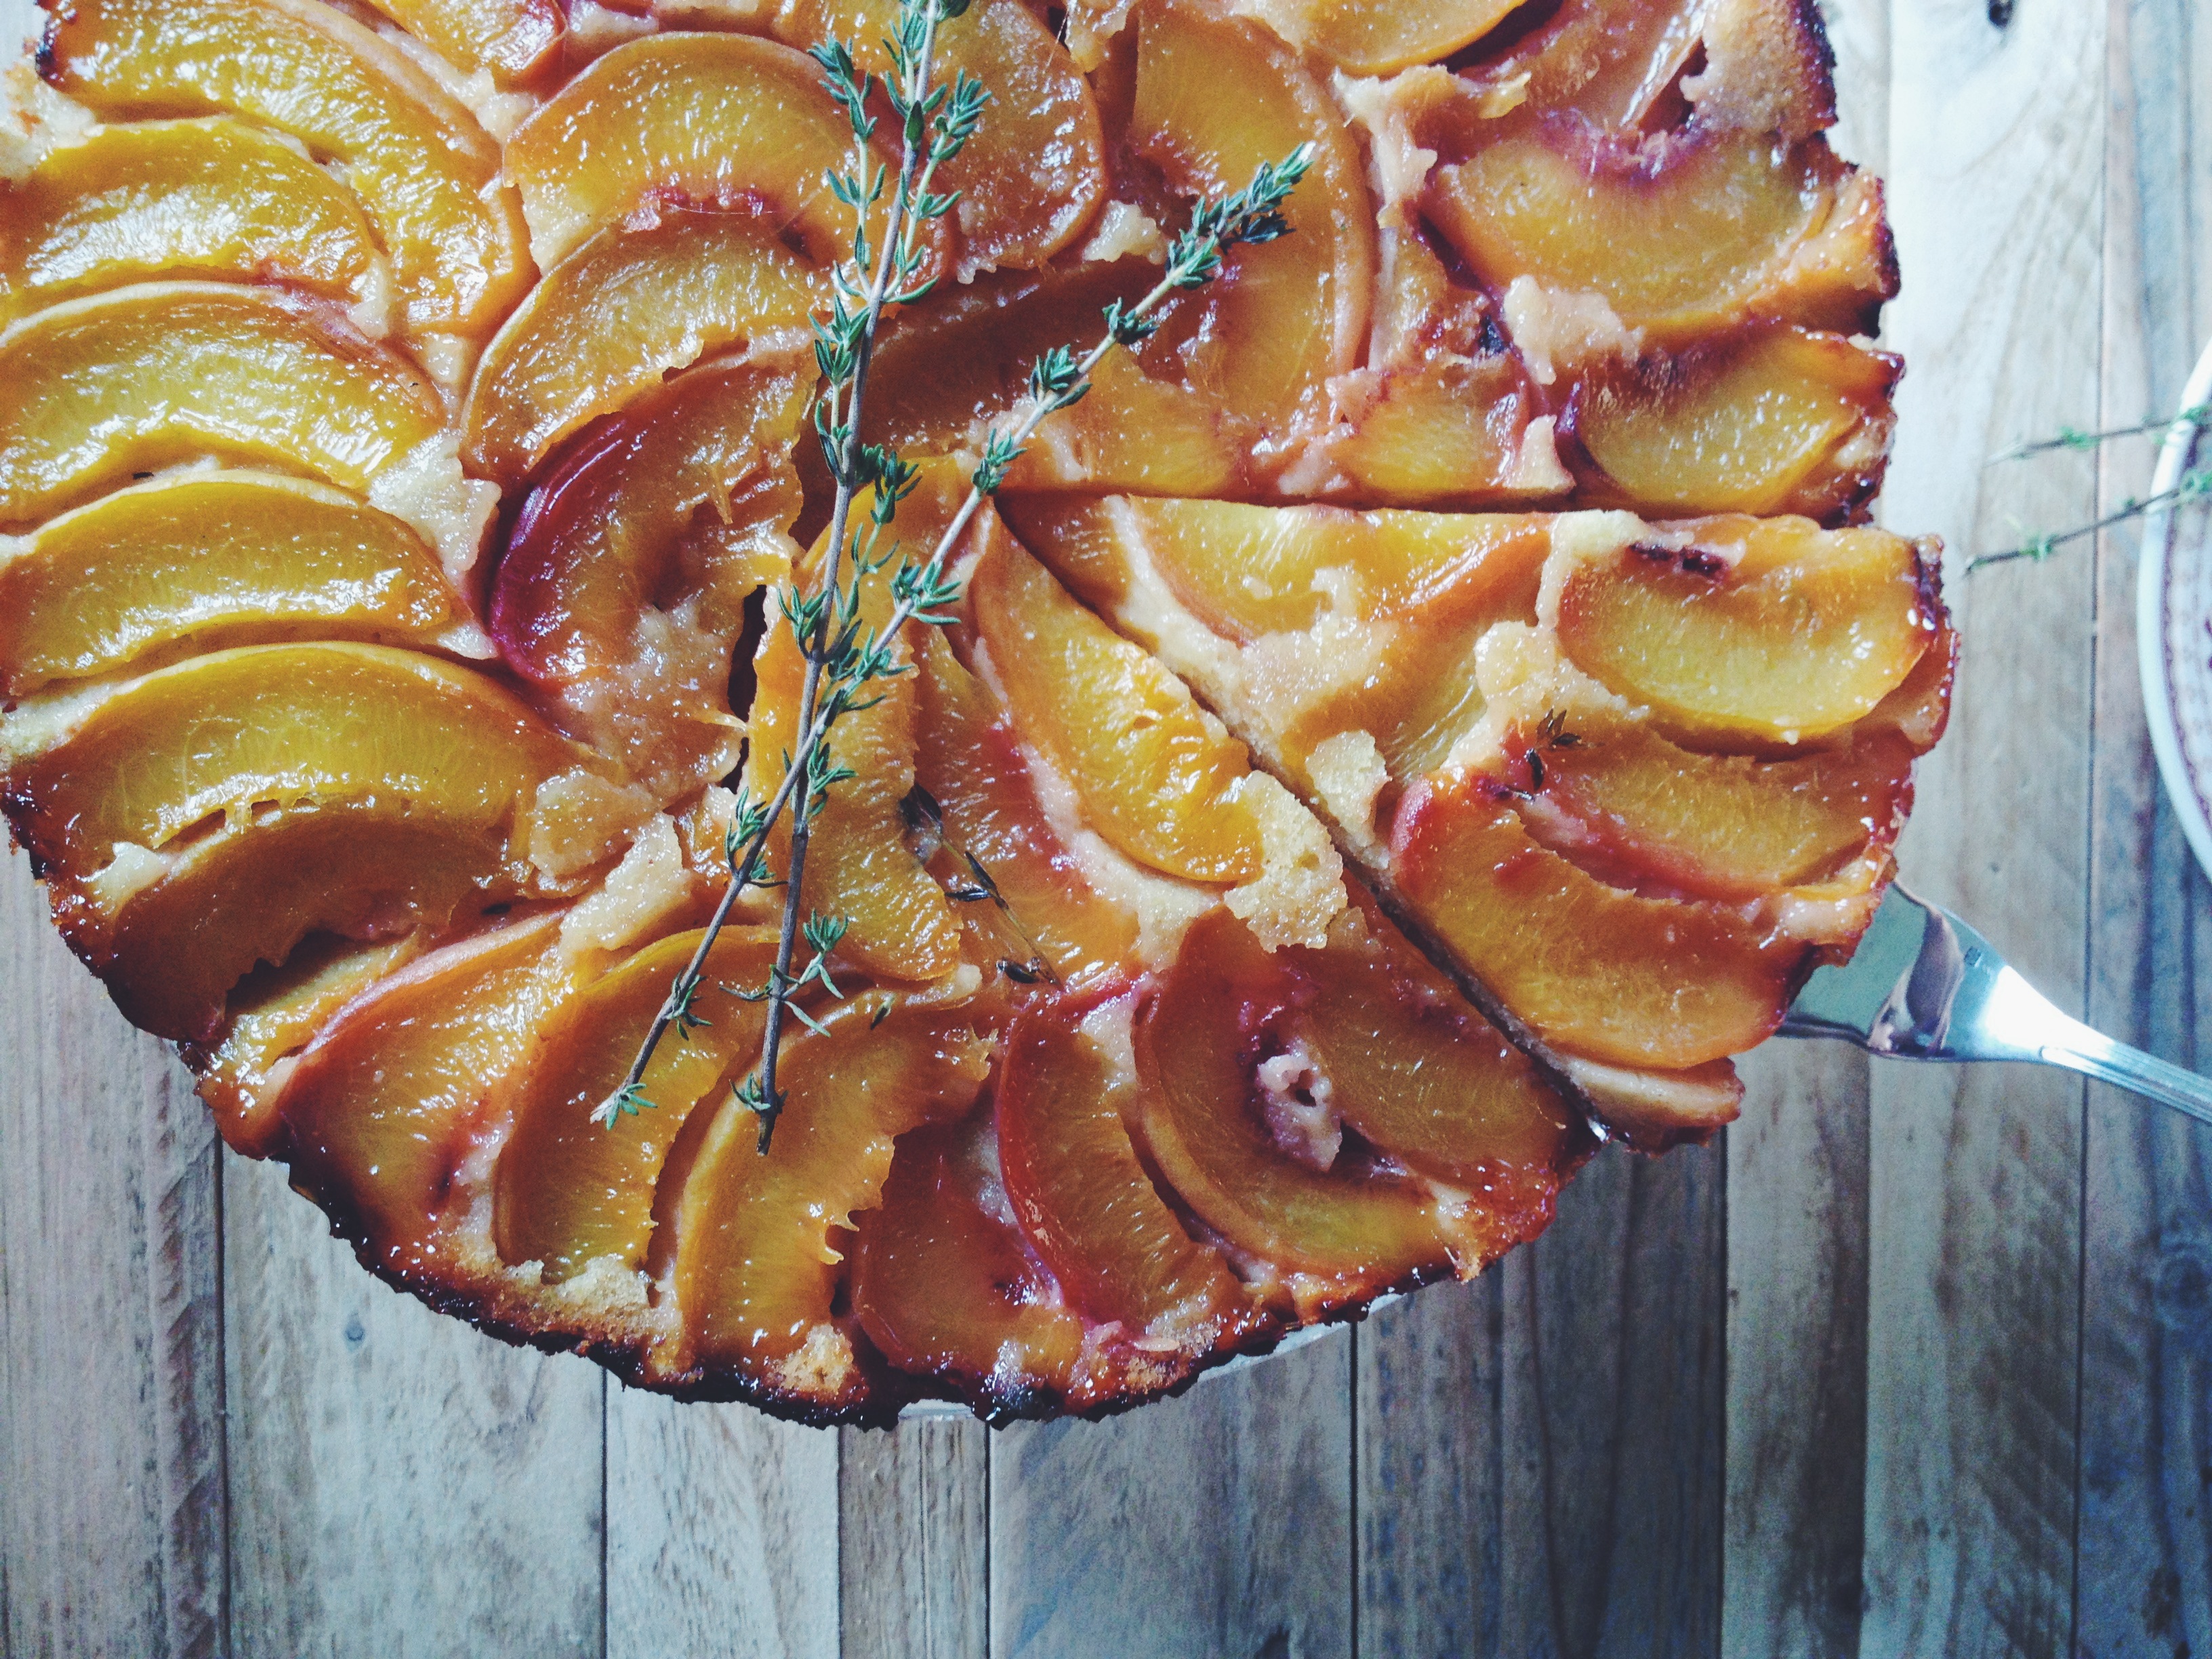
pixel 2098 1056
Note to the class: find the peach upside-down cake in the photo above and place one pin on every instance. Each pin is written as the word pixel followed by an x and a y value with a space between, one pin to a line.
pixel 1428 707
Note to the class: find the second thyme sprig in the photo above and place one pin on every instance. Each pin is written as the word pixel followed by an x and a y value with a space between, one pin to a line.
pixel 2195 485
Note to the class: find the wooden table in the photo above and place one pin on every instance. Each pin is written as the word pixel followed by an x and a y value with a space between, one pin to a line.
pixel 1911 1363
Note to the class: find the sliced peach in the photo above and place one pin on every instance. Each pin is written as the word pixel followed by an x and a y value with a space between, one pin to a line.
pixel 943 1288
pixel 222 558
pixel 276 1013
pixel 1198 1039
pixel 687 495
pixel 239 732
pixel 209 198
pixel 1362 38
pixel 1157 776
pixel 1447 433
pixel 1288 314
pixel 1032 175
pixel 568 1190
pixel 756 1263
pixel 1612 60
pixel 1421 1075
pixel 1249 571
pixel 717 121
pixel 1624 802
pixel 1920 708
pixel 858 863
pixel 512 38
pixel 421 166
pixel 1601 971
pixel 610 320
pixel 1716 219
pixel 129 382
pixel 966 757
pixel 1767 629
pixel 947 367
pixel 1083 1198
pixel 1782 420
pixel 378 1112
pixel 172 950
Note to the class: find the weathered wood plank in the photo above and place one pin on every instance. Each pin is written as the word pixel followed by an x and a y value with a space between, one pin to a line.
pixel 1797 1225
pixel 721 1532
pixel 1975 1186
pixel 1220 1523
pixel 1540 1453
pixel 1796 1353
pixel 914 1541
pixel 112 1517
pixel 400 1484
pixel 2145 1580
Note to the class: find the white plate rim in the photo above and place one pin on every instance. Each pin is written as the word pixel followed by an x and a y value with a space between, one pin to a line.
pixel 2154 608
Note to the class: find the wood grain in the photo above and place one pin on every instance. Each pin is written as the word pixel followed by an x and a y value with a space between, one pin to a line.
pixel 1540 1467
pixel 1975 1187
pixel 112 1507
pixel 400 1484
pixel 2145 1584
pixel 914 1541
pixel 1220 1523
pixel 721 1532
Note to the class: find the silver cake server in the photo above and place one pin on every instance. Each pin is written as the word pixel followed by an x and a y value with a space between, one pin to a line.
pixel 1924 986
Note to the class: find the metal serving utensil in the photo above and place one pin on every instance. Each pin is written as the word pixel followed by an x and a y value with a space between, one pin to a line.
pixel 1924 986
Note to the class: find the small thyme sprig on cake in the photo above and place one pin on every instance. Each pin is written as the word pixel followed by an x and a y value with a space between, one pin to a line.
pixel 2195 485
pixel 844 656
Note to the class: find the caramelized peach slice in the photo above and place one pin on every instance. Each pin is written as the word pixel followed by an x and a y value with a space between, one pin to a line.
pixel 943 1287
pixel 967 758
pixel 1422 1076
pixel 1073 1177
pixel 1288 314
pixel 609 322
pixel 1766 629
pixel 209 198
pixel 1449 433
pixel 420 166
pixel 1623 801
pixel 1598 970
pixel 1198 1039
pixel 136 380
pixel 276 1013
pixel 1250 571
pixel 1612 60
pixel 378 1110
pixel 1362 38
pixel 687 495
pixel 756 1259
pixel 512 38
pixel 241 731
pixel 1157 776
pixel 569 1191
pixel 1718 221
pixel 962 359
pixel 172 950
pixel 1031 177
pixel 222 558
pixel 1782 421
pixel 719 121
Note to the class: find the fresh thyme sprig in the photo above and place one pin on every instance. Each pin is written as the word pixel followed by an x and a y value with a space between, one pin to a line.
pixel 843 654
pixel 2195 485
pixel 936 122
